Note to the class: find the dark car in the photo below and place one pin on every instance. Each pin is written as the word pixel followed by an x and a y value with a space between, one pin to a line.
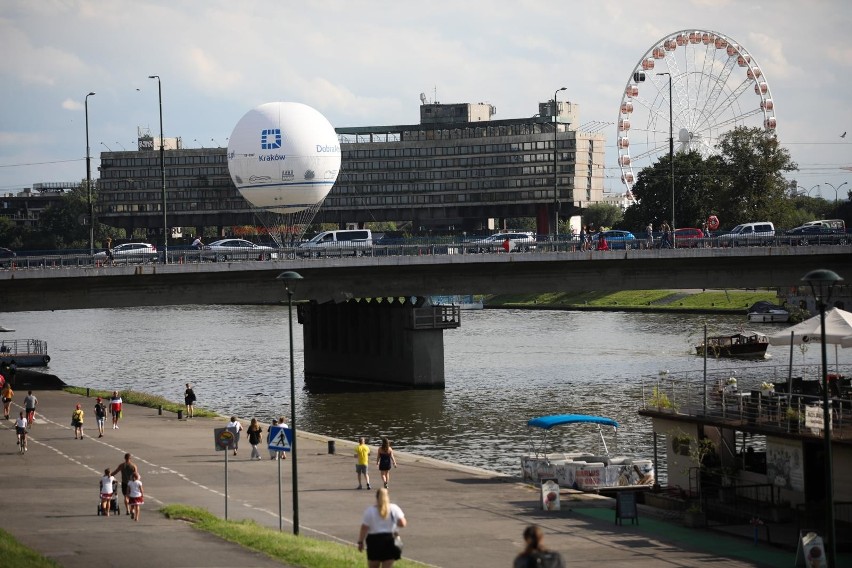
pixel 616 240
pixel 6 257
pixel 815 235
pixel 689 237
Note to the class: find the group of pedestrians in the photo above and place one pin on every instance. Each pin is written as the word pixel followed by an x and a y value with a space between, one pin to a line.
pixel 78 416
pixel 131 488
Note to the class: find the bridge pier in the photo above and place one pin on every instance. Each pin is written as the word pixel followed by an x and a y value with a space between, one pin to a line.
pixel 375 343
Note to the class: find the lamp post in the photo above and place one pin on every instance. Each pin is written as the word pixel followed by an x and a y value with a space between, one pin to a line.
pixel 822 283
pixel 671 154
pixel 163 171
pixel 835 189
pixel 808 191
pixel 555 173
pixel 289 278
pixel 89 181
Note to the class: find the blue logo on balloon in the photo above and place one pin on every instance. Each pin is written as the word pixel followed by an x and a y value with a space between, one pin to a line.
pixel 270 139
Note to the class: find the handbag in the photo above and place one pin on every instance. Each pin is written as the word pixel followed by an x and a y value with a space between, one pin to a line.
pixel 397 542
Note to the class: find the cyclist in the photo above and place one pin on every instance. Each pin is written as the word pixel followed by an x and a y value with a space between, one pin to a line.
pixel 21 431
pixel 30 404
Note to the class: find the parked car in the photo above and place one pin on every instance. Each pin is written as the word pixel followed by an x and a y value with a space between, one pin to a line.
pixel 237 249
pixel 616 240
pixel 689 237
pixel 745 234
pixel 129 253
pixel 814 235
pixel 504 242
pixel 7 257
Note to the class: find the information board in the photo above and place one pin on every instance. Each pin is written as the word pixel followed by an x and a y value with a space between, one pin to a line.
pixel 625 507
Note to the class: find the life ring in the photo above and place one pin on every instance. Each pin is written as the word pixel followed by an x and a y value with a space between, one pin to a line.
pixel 712 222
pixel 46 359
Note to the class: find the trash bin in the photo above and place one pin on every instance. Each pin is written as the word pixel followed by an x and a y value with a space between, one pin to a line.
pixel 180 414
pixel 331 446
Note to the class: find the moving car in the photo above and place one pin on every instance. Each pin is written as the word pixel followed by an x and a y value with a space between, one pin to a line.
pixel 504 242
pixel 689 238
pixel 7 257
pixel 616 240
pixel 814 235
pixel 745 234
pixel 338 243
pixel 130 252
pixel 237 249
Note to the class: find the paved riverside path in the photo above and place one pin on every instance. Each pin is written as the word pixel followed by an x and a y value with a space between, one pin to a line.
pixel 458 516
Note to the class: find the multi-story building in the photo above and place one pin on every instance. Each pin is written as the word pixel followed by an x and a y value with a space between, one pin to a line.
pixel 24 208
pixel 458 169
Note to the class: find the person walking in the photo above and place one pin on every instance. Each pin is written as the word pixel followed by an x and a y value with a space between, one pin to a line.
pixel 127 468
pixel 362 459
pixel 107 491
pixel 115 404
pixel 100 415
pixel 30 404
pixel 379 526
pixel 7 395
pixel 384 460
pixel 189 400
pixel 649 230
pixel 254 433
pixel 235 424
pixel 77 421
pixel 136 496
pixel 108 247
pixel 534 554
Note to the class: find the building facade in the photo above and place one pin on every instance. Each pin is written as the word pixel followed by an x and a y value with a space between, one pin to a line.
pixel 457 170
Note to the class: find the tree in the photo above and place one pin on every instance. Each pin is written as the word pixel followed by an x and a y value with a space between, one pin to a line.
pixel 603 215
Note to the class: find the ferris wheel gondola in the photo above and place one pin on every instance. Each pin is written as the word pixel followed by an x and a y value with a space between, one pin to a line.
pixel 716 86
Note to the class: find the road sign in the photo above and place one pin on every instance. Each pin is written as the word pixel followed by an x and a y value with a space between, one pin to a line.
pixel 225 439
pixel 280 438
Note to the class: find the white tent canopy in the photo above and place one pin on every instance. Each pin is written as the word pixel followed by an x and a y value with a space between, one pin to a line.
pixel 838 327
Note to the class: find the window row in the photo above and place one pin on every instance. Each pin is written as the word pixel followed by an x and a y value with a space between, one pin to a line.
pixel 419 151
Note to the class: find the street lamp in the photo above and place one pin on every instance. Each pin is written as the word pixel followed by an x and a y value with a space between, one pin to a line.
pixel 671 154
pixel 822 283
pixel 811 189
pixel 163 171
pixel 555 173
pixel 289 278
pixel 835 189
pixel 89 181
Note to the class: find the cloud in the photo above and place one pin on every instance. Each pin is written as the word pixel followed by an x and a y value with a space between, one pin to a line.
pixel 71 104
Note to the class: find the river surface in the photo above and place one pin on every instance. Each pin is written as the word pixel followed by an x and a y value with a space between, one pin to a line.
pixel 503 367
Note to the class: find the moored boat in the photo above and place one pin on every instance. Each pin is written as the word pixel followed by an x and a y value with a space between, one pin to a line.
pixel 24 352
pixel 767 312
pixel 585 471
pixel 749 344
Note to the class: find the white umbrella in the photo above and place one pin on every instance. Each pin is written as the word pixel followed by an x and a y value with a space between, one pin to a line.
pixel 847 341
pixel 838 325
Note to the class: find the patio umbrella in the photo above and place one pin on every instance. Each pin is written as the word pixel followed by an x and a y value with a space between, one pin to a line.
pixel 847 341
pixel 838 325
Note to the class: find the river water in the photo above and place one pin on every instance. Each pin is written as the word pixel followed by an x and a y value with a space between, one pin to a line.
pixel 503 367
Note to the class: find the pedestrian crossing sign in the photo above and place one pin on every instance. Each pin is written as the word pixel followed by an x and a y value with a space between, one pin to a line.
pixel 280 438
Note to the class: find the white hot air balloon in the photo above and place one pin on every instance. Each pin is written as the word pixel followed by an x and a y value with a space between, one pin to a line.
pixel 284 158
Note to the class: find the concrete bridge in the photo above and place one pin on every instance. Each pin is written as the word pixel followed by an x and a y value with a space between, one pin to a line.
pixel 340 279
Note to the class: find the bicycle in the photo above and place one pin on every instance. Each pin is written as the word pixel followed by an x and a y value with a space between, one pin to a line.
pixel 22 443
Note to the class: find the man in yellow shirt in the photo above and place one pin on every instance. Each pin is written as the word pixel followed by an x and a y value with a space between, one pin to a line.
pixel 362 455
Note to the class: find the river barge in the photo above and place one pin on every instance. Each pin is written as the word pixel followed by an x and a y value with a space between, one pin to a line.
pixel 24 353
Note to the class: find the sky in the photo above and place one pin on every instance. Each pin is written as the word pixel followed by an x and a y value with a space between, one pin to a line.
pixel 366 63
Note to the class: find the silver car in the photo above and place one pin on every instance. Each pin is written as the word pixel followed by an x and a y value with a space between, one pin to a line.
pixel 504 242
pixel 128 253
pixel 237 249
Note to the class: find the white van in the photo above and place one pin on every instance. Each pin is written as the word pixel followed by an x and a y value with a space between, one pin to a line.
pixel 762 233
pixel 338 243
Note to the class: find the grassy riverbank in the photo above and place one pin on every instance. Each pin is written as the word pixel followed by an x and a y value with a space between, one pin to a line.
pixel 701 301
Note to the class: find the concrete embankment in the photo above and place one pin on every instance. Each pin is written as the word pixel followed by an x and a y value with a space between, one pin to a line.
pixel 458 516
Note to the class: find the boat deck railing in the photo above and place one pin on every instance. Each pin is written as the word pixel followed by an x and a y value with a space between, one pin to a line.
pixel 775 399
pixel 23 347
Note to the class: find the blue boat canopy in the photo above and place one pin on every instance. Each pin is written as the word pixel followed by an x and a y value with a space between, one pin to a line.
pixel 548 422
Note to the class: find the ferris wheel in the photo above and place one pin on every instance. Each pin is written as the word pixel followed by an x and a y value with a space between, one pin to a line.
pixel 707 82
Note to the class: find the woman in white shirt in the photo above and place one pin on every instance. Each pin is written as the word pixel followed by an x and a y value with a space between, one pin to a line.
pixel 379 525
